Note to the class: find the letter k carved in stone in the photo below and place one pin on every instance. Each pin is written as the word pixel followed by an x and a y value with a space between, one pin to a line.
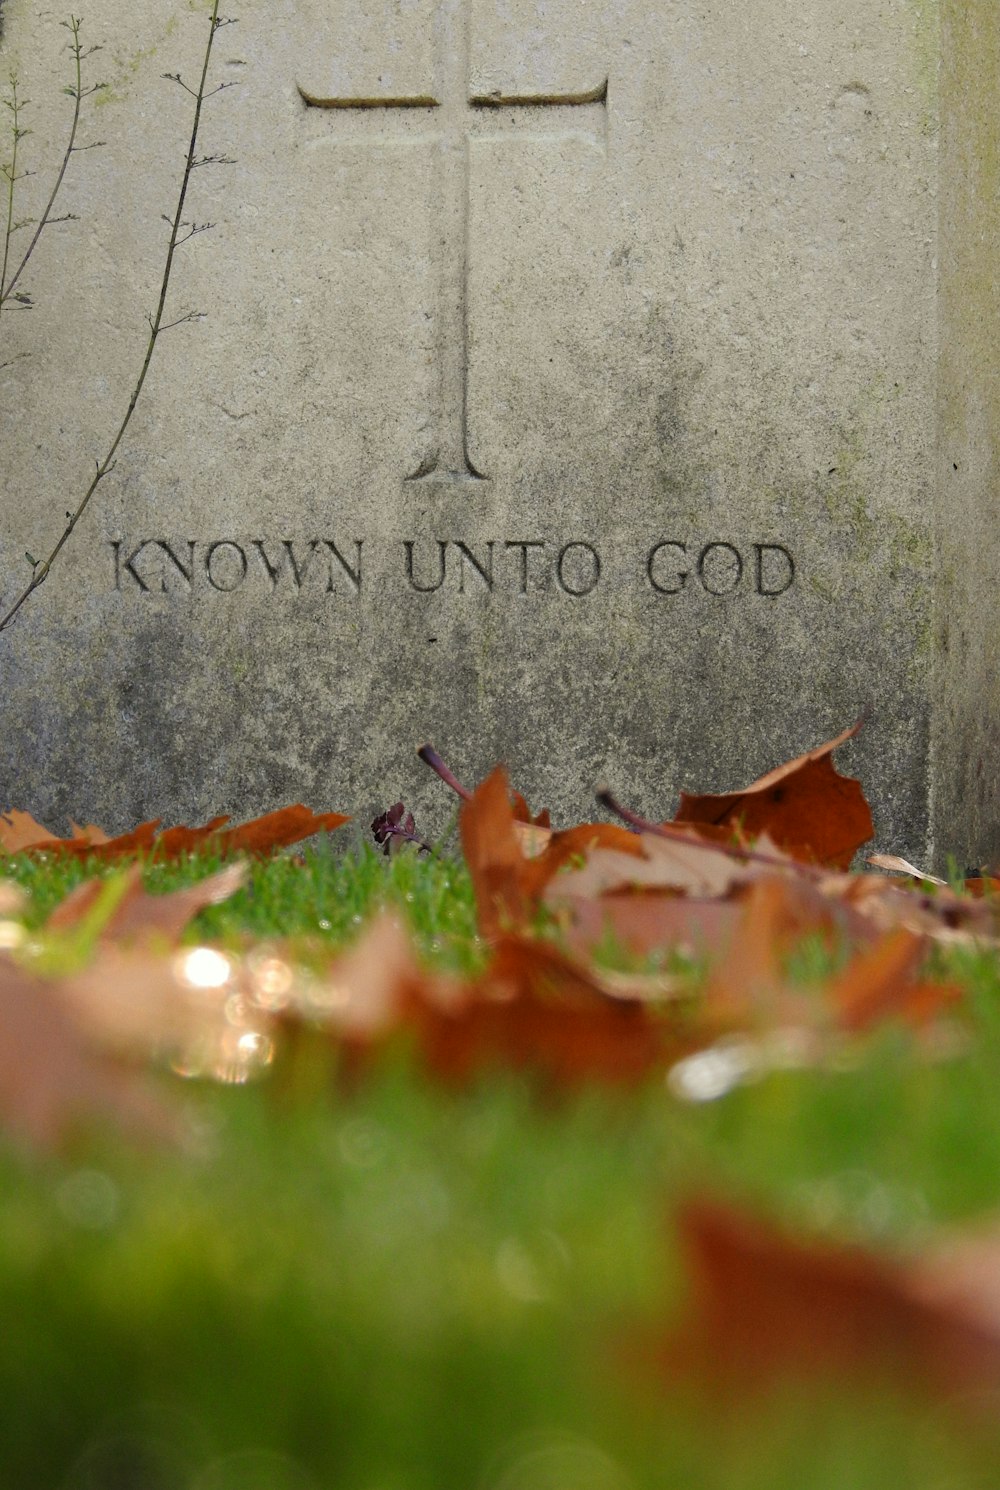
pixel 462 114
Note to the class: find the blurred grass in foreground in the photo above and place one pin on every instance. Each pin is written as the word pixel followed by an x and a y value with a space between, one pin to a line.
pixel 400 1288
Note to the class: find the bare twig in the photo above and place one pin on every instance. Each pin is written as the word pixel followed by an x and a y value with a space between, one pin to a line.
pixel 42 568
pixel 78 93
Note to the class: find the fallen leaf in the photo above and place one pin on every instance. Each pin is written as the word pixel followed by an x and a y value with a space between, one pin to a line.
pixel 12 899
pixel 767 1305
pixel 54 1077
pixel 984 886
pixel 886 904
pixel 19 833
pixel 523 814
pixel 18 830
pixel 534 1008
pixel 747 987
pixel 531 1007
pixel 642 924
pixel 895 865
pixel 881 983
pixel 135 914
pixel 365 993
pixel 493 856
pixel 511 862
pixel 651 863
pixel 262 835
pixel 806 806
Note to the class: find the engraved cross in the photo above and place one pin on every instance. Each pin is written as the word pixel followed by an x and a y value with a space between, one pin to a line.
pixel 461 114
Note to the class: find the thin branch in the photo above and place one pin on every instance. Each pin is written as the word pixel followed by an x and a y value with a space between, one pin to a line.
pixel 41 570
pixel 78 93
pixel 12 178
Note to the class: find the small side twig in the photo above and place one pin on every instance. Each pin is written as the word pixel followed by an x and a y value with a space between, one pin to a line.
pixel 42 568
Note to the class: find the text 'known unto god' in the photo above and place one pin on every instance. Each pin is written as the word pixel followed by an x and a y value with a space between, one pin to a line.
pixel 423 566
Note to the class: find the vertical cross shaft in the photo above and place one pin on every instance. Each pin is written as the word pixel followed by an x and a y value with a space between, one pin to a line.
pixel 452 230
pixel 449 459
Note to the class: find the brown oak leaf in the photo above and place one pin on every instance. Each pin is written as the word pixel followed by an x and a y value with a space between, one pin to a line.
pixel 806 806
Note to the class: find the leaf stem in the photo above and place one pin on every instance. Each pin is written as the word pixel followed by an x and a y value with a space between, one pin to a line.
pixel 430 757
pixel 688 833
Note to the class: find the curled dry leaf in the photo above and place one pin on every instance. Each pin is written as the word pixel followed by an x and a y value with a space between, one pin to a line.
pixel 643 924
pixel 369 988
pixel 747 987
pixel 766 1305
pixel 19 833
pixel 659 893
pixel 12 899
pixel 895 865
pixel 534 1008
pixel 55 1077
pixel 396 827
pixel 882 983
pixel 666 864
pixel 806 807
pixel 943 915
pixel 530 1008
pixel 510 864
pixel 134 914
pixel 493 856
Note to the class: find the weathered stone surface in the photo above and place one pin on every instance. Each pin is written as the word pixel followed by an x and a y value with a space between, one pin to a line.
pixel 611 389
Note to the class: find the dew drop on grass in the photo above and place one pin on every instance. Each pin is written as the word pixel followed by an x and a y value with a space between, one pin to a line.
pixel 89 1199
pixel 361 1144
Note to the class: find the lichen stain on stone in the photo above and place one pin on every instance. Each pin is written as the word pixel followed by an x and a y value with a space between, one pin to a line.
pixel 975 155
pixel 847 495
pixel 128 65
pixel 926 33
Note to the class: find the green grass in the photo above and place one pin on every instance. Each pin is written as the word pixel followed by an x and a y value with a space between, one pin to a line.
pixel 402 1288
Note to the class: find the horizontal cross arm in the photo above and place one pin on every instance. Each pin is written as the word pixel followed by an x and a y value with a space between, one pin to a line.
pixel 498 100
pixel 405 101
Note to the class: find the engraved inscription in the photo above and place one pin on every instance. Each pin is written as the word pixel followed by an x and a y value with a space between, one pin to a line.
pixel 159 565
pixel 575 568
pixel 719 568
pixel 460 112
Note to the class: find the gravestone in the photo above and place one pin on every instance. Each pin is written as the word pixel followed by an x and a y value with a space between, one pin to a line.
pixel 611 389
